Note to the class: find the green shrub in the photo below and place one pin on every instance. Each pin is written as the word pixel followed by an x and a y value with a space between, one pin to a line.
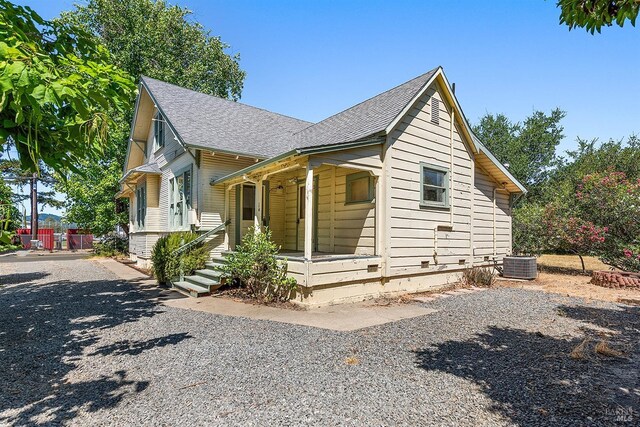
pixel 159 256
pixel 254 266
pixel 167 267
pixel 478 276
pixel 112 245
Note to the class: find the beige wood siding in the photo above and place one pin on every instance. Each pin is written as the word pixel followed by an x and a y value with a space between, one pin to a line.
pixel 211 199
pixel 412 229
pixel 342 228
pixel 483 219
pixel 141 243
pixel 276 211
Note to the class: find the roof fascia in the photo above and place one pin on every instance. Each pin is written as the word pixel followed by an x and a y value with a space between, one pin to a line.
pixel 251 168
pixel 484 150
pixel 167 121
pixel 475 143
pixel 133 122
pixel 229 152
pixel 299 152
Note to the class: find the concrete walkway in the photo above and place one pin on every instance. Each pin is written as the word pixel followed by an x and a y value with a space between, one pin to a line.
pixel 343 317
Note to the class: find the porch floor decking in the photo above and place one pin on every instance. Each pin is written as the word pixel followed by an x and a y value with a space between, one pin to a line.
pixel 321 256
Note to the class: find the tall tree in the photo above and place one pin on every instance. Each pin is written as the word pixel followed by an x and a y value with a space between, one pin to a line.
pixel 158 40
pixel 592 15
pixel 529 147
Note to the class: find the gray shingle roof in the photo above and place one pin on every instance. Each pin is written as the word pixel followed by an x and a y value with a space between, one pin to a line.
pixel 364 119
pixel 208 121
pixel 219 124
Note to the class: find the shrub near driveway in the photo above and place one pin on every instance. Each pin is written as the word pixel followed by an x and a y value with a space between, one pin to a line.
pixel 166 266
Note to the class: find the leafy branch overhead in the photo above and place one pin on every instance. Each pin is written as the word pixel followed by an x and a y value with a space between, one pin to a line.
pixel 58 90
pixel 592 15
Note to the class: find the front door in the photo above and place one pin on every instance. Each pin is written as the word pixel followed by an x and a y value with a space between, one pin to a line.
pixel 247 208
pixel 301 215
pixel 300 219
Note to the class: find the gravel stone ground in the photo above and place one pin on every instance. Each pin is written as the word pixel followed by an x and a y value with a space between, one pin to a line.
pixel 80 347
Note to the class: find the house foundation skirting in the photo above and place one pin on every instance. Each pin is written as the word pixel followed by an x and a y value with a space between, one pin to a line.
pixel 363 290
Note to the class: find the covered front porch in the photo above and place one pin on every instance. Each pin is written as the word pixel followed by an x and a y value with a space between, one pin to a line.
pixel 322 211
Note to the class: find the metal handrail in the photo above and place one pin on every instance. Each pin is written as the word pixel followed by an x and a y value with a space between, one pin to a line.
pixel 201 238
pixel 195 242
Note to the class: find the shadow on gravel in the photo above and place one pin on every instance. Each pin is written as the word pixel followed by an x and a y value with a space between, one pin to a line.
pixel 533 380
pixel 19 278
pixel 45 329
pixel 133 348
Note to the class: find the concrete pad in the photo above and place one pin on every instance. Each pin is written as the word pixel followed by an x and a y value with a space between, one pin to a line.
pixel 344 317
pixel 452 293
pixel 442 296
pixel 424 299
pixel 124 271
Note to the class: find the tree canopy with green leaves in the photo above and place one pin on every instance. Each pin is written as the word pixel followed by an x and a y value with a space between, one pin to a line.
pixel 158 40
pixel 58 90
pixel 528 147
pixel 592 15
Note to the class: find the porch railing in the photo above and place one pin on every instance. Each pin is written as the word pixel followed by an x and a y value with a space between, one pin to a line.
pixel 195 242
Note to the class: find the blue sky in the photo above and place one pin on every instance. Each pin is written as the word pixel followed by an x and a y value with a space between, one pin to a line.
pixel 311 59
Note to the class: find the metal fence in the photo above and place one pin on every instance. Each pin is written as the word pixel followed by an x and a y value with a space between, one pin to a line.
pixel 79 241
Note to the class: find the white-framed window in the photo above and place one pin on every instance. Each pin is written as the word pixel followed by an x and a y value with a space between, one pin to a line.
pixel 359 188
pixel 158 130
pixel 434 185
pixel 180 190
pixel 141 205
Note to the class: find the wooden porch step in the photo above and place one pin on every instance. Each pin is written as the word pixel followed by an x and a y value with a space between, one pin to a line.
pixel 204 282
pixel 209 274
pixel 190 289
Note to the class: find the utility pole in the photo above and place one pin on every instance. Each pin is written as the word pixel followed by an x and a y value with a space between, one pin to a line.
pixel 34 207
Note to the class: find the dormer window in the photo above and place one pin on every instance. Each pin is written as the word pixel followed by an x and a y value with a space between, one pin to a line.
pixel 158 130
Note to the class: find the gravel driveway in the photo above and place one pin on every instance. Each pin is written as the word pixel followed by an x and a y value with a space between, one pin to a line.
pixel 80 347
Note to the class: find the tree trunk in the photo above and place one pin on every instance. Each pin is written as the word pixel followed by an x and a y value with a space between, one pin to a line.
pixel 34 207
pixel 582 261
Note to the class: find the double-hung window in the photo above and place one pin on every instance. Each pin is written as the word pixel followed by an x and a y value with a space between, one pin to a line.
pixel 434 185
pixel 180 198
pixel 158 130
pixel 141 205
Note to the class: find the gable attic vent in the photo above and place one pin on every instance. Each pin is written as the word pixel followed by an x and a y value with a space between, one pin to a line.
pixel 435 111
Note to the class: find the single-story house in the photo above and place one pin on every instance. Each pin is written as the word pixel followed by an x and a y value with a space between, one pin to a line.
pixel 395 194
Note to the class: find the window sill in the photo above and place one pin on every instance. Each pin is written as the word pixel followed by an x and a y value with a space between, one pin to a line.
pixel 427 205
pixel 361 202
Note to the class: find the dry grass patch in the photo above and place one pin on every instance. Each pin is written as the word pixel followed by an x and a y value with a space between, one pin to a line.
pixel 579 352
pixel 573 286
pixel 569 264
pixel 352 360
pixel 603 349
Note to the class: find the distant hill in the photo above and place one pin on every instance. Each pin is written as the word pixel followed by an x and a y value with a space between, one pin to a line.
pixel 44 216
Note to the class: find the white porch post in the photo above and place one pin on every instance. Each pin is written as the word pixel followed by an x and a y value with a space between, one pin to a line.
pixel 257 220
pixel 379 212
pixel 308 213
pixel 227 200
